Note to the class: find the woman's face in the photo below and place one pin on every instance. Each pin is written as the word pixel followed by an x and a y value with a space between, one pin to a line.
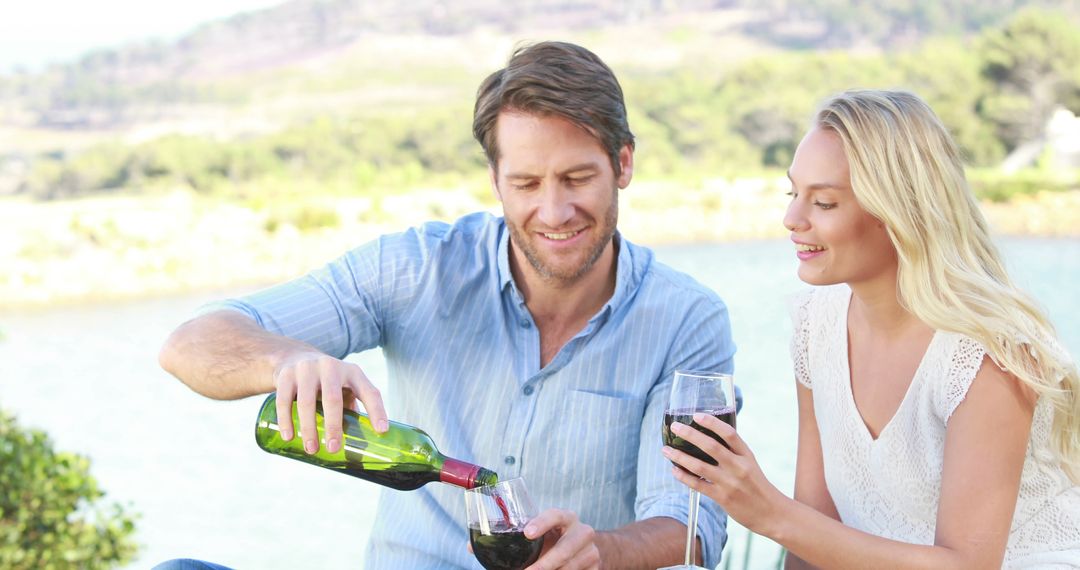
pixel 836 241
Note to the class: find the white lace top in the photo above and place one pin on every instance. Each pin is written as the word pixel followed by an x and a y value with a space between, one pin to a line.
pixel 890 486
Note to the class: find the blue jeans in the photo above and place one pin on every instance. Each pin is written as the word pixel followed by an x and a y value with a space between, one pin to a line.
pixel 188 564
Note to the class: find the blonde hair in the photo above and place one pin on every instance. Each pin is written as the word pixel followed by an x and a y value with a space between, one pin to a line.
pixel 906 171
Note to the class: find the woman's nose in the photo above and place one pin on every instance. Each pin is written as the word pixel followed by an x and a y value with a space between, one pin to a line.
pixel 794 220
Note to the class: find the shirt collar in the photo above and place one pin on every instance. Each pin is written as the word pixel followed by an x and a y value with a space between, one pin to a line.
pixel 506 278
pixel 627 276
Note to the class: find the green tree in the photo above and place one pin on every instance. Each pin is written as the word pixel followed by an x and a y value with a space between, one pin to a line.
pixel 771 99
pixel 51 516
pixel 1034 64
pixel 946 72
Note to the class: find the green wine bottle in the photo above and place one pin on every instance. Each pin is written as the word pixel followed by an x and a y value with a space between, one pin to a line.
pixel 403 458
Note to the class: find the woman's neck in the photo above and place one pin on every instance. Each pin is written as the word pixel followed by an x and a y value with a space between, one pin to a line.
pixel 875 306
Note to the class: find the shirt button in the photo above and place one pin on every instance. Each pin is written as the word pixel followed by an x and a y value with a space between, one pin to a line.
pixel 525 323
pixel 509 460
pixel 528 390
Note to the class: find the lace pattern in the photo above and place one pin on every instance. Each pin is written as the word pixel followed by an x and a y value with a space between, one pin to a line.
pixel 799 307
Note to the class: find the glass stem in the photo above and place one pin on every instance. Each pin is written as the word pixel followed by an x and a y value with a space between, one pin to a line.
pixel 691 527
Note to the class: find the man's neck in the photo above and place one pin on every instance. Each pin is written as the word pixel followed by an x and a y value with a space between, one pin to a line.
pixel 561 310
pixel 555 301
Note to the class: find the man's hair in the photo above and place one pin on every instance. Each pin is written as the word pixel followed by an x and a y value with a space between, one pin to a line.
pixel 906 172
pixel 555 79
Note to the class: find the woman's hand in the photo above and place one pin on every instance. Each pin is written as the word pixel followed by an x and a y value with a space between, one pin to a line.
pixel 736 483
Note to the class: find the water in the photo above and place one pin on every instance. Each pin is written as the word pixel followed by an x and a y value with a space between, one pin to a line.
pixel 190 466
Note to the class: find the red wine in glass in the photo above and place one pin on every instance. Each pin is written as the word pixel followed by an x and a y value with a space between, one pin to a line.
pixel 499 502
pixel 686 417
pixel 504 547
pixel 496 516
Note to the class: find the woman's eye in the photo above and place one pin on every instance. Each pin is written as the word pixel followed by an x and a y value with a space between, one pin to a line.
pixel 825 206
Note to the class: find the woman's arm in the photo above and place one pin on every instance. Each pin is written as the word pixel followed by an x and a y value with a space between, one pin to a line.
pixel 810 486
pixel 986 442
pixel 985 447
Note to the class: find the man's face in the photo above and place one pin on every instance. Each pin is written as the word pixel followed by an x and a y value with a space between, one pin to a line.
pixel 559 195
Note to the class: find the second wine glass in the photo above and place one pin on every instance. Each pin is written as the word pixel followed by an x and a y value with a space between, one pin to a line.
pixel 692 393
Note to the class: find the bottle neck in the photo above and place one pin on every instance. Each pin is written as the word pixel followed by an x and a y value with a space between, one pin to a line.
pixel 459 473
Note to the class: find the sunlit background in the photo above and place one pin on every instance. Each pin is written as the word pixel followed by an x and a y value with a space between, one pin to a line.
pixel 34 35
pixel 156 156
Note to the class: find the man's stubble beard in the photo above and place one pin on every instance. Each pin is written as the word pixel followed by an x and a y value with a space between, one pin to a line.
pixel 553 275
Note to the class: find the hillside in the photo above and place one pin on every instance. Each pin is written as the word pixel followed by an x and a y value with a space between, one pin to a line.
pixel 338 44
pixel 371 95
pixel 256 146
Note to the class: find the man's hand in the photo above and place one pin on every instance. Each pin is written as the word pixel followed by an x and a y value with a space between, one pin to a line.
pixel 569 544
pixel 311 376
pixel 226 355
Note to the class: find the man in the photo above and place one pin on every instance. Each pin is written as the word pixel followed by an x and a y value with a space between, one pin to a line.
pixel 540 344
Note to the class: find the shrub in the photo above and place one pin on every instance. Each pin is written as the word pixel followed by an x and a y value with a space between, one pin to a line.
pixel 51 516
pixel 996 186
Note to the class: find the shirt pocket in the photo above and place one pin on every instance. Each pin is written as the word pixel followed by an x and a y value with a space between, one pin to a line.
pixel 595 438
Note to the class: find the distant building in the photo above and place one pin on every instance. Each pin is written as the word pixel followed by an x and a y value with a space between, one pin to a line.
pixel 1063 134
pixel 13 170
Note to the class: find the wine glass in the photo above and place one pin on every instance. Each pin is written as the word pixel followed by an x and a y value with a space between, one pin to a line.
pixel 497 515
pixel 692 393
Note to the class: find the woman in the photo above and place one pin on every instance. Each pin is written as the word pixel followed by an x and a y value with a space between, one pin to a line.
pixel 939 419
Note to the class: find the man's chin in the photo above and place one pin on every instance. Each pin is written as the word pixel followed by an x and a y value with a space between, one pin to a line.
pixel 559 273
pixel 564 267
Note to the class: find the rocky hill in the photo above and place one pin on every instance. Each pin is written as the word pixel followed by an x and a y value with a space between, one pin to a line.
pixel 217 62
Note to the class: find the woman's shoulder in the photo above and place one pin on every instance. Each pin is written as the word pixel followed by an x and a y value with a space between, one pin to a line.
pixel 814 313
pixel 963 355
pixel 958 359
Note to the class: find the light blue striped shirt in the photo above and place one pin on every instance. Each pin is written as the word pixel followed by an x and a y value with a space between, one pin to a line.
pixel 463 359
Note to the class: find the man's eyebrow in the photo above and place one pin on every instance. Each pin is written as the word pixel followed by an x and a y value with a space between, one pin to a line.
pixel 577 168
pixel 580 167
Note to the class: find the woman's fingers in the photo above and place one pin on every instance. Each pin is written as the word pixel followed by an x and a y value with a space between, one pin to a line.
pixel 705 443
pixel 691 471
pixel 695 469
pixel 724 430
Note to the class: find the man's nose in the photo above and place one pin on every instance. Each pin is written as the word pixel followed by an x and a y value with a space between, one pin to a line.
pixel 556 207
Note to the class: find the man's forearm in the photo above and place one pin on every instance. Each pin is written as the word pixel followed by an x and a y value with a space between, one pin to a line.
pixel 645 545
pixel 225 355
